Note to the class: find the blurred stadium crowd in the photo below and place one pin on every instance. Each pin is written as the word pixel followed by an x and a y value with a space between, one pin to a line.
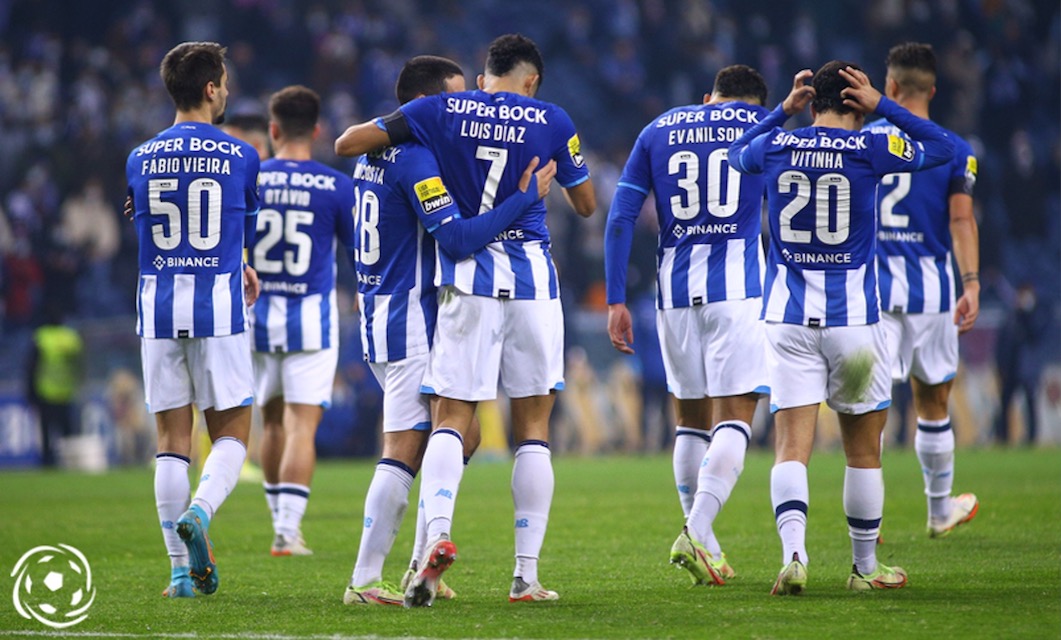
pixel 79 87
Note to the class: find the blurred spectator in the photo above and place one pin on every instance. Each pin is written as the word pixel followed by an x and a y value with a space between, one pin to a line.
pixel 89 226
pixel 1020 359
pixel 54 376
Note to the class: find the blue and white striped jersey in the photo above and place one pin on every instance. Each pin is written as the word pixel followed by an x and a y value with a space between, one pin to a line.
pixel 487 141
pixel 914 242
pixel 306 206
pixel 709 215
pixel 396 189
pixel 821 191
pixel 194 188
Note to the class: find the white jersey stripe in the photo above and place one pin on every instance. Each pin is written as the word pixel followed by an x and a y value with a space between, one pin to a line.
pixel 312 340
pixel 463 274
pixel 666 271
pixel 815 296
pixel 148 288
pixel 333 315
pixel 735 270
pixel 184 304
pixel 504 275
pixel 222 296
pixel 380 314
pixel 364 322
pixel 900 297
pixel 932 283
pixel 949 275
pixel 778 299
pixel 698 255
pixel 276 318
pixel 856 297
pixel 539 264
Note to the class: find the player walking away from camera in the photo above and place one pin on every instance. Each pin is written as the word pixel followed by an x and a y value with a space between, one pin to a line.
pixel 252 128
pixel 306 207
pixel 708 283
pixel 195 202
pixel 402 205
pixel 499 310
pixel 923 218
pixel 820 300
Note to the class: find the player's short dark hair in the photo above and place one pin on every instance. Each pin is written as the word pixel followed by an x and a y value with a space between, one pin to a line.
pixel 913 66
pixel 740 81
pixel 188 68
pixel 828 85
pixel 295 110
pixel 425 75
pixel 507 51
pixel 252 122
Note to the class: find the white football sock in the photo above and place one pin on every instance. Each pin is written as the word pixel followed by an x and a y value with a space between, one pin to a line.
pixel 532 495
pixel 718 475
pixel 172 489
pixel 440 480
pixel 690 446
pixel 291 506
pixel 790 497
pixel 864 507
pixel 220 473
pixel 272 496
pixel 934 444
pixel 385 504
pixel 420 538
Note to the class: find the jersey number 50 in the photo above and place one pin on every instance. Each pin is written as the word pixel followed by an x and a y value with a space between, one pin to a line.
pixel 199 188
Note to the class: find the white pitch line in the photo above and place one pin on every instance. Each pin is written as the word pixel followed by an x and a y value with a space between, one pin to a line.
pixel 225 636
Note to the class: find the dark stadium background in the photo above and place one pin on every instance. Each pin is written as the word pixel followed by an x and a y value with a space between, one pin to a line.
pixel 79 87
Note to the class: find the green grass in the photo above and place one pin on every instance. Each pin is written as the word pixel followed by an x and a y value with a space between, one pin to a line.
pixel 612 525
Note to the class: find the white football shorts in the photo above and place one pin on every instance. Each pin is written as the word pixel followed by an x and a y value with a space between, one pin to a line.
pixel 404 407
pixel 300 377
pixel 847 366
pixel 714 350
pixel 924 345
pixel 479 340
pixel 211 372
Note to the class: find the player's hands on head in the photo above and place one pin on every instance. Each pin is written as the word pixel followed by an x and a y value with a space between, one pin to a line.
pixel 860 96
pixel 251 286
pixel 801 95
pixel 620 328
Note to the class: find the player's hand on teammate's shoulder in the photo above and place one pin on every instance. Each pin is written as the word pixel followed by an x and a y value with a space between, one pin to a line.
pixel 620 328
pixel 251 286
pixel 801 94
pixel 861 95
pixel 544 175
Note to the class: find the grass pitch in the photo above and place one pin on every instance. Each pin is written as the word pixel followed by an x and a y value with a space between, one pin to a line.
pixel 612 524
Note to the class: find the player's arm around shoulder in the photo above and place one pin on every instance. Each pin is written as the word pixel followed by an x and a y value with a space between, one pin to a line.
pixel 361 138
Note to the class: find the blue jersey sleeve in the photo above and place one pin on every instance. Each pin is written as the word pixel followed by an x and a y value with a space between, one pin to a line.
pixel 251 197
pixel 931 146
pixel 746 154
pixel 571 167
pixel 415 120
pixel 457 235
pixel 637 174
pixel 619 237
pixel 963 169
pixel 344 216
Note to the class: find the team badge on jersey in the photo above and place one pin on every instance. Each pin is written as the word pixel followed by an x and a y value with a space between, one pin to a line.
pixel 970 173
pixel 900 147
pixel 574 147
pixel 432 194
